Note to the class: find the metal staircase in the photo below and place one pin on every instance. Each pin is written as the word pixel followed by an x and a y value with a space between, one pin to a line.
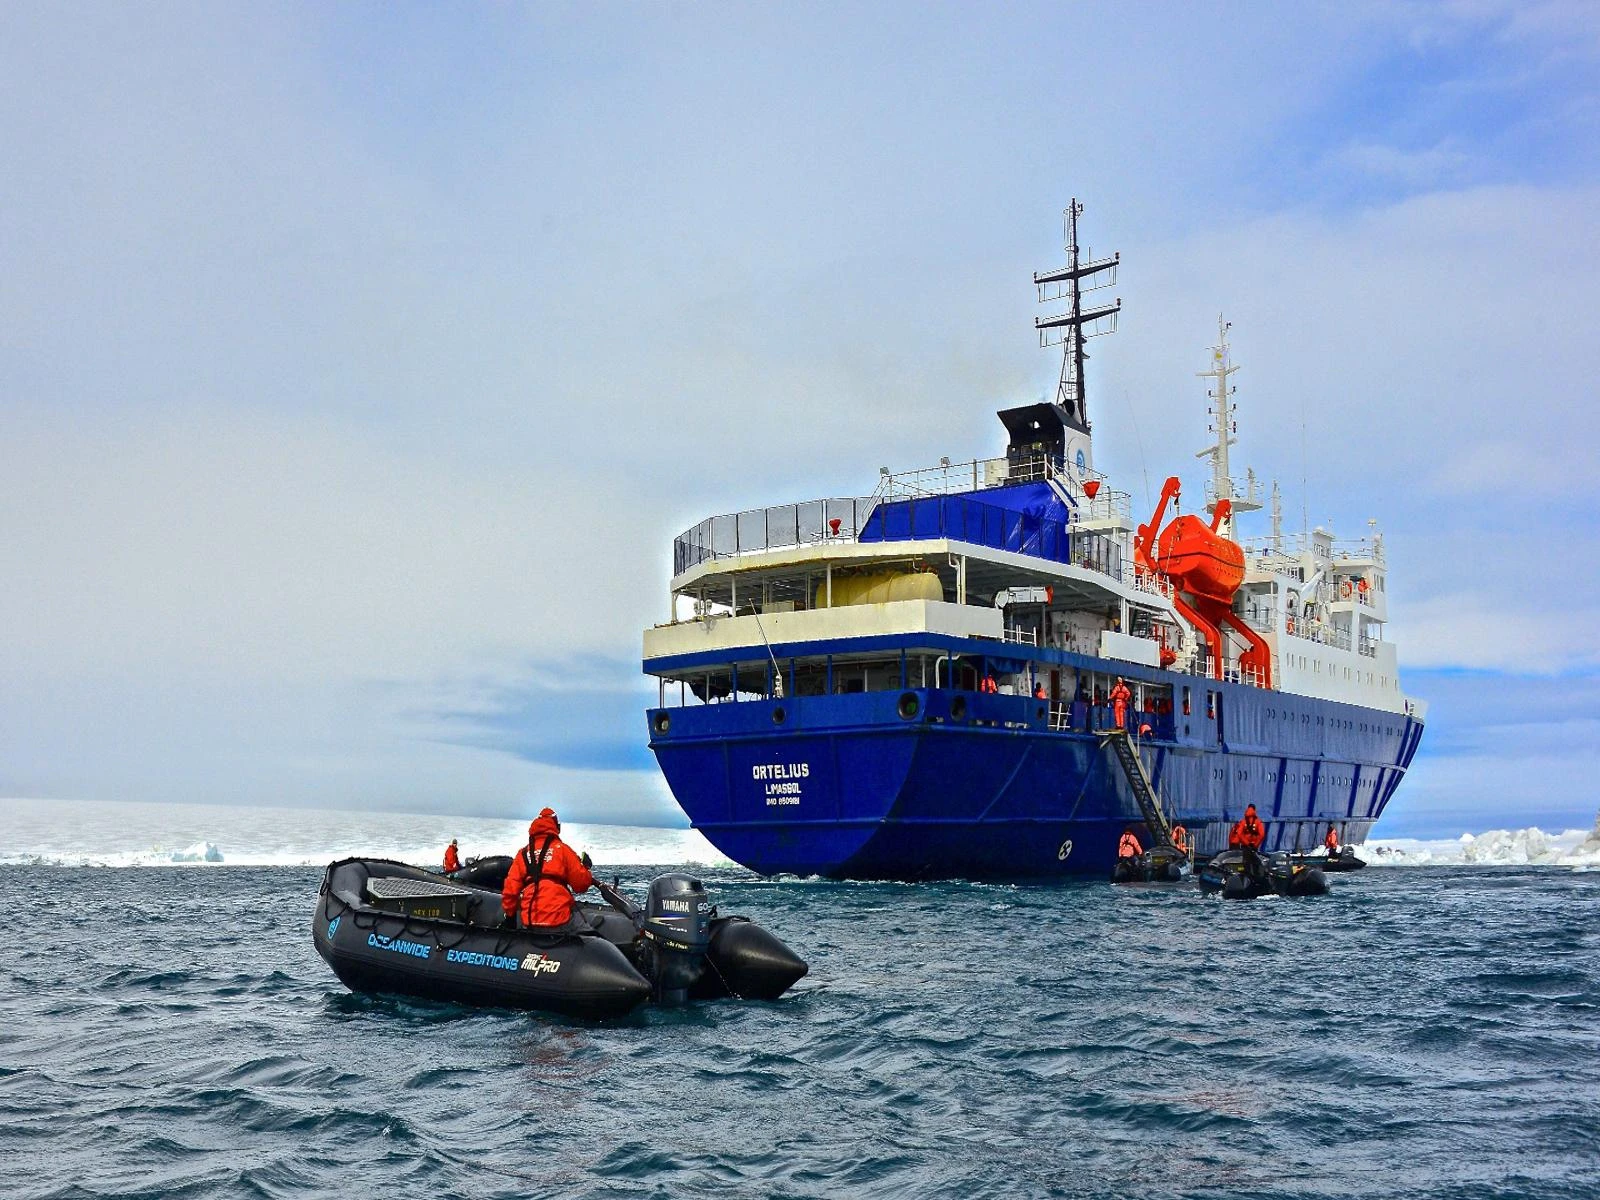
pixel 1144 792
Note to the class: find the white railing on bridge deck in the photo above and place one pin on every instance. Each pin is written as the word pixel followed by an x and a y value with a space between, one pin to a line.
pixel 779 527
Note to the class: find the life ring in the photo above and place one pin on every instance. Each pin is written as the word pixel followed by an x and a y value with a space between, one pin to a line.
pixel 1346 589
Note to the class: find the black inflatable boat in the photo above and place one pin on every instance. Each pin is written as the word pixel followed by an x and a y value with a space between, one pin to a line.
pixel 1244 875
pixel 1159 864
pixel 388 927
pixel 1345 860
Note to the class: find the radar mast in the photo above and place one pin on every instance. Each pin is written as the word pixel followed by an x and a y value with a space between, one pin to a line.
pixel 1083 273
pixel 1223 424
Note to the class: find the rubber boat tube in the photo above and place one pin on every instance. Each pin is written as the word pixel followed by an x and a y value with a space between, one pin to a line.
pixel 388 927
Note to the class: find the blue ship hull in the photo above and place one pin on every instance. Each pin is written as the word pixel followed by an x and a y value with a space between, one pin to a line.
pixel 938 783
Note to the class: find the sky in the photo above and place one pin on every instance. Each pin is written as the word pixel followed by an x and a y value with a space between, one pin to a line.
pixel 359 363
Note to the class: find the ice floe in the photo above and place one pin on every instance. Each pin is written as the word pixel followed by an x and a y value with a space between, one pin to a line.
pixel 1574 848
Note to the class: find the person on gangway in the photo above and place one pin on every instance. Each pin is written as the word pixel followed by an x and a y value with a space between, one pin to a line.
pixel 1120 695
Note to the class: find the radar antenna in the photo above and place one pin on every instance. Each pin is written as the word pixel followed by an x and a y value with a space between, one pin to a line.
pixel 1077 324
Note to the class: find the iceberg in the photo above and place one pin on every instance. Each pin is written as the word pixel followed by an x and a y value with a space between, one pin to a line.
pixel 199 852
pixel 1532 846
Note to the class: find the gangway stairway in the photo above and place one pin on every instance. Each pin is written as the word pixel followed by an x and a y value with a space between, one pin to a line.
pixel 1144 792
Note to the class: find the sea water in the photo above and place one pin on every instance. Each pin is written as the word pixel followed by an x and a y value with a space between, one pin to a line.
pixel 169 1031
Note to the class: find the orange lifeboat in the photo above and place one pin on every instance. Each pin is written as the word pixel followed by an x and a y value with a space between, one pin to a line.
pixel 1200 561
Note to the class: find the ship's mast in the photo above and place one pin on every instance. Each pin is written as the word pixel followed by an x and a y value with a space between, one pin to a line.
pixel 1073 327
pixel 1222 412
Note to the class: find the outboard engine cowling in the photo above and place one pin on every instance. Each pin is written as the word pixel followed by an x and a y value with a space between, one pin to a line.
pixel 675 933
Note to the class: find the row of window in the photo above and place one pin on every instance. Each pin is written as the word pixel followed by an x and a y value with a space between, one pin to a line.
pixel 1305 719
pixel 1243 774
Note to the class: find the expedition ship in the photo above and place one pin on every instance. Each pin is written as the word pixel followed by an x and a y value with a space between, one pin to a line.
pixel 916 683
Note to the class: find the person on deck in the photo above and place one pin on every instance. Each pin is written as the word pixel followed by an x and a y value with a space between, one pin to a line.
pixel 1330 841
pixel 1128 846
pixel 452 857
pixel 1038 690
pixel 543 876
pixel 989 685
pixel 1248 832
pixel 1120 695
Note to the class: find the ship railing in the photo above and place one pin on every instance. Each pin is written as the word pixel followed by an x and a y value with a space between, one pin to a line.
pixel 780 527
pixel 1142 580
pixel 1291 546
pixel 1232 672
pixel 1368 647
pixel 1322 634
pixel 942 480
pixel 1024 637
pixel 1104 506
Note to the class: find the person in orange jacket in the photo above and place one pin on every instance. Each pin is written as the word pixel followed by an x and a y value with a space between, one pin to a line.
pixel 1128 846
pixel 543 876
pixel 1248 832
pixel 452 857
pixel 1120 695
pixel 988 686
pixel 1180 839
pixel 1330 842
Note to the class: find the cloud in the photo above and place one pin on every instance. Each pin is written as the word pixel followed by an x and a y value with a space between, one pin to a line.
pixel 356 375
pixel 1432 166
pixel 1501 747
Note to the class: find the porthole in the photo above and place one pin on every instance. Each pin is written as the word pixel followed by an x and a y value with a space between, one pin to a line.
pixel 910 705
pixel 778 715
pixel 958 707
pixel 663 723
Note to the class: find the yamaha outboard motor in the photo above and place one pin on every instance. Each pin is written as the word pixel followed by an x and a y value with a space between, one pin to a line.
pixel 676 933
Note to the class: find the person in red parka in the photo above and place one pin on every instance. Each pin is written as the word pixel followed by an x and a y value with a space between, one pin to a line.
pixel 452 857
pixel 1248 832
pixel 1120 695
pixel 543 876
pixel 1330 843
pixel 1128 845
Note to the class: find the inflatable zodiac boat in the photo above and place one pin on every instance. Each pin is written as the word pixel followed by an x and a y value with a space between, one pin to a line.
pixel 1242 875
pixel 1159 864
pixel 387 927
pixel 1345 860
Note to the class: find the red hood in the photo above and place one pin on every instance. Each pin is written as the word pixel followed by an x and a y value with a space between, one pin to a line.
pixel 543 825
